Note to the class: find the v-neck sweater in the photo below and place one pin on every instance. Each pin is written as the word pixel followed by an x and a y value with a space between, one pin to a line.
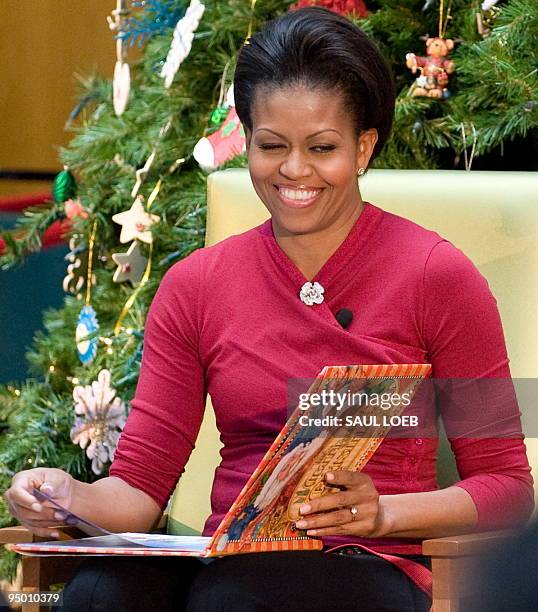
pixel 227 320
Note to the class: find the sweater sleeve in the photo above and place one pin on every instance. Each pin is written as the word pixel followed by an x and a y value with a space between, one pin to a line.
pixel 167 409
pixel 476 399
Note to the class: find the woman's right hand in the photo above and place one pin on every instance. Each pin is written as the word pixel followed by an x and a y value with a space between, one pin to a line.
pixel 40 518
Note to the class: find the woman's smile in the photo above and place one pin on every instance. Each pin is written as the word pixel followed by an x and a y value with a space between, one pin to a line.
pixel 298 198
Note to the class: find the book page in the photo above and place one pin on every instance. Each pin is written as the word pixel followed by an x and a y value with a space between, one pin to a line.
pixel 152 540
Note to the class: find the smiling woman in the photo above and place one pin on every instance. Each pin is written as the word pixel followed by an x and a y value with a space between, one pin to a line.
pixel 315 115
pixel 242 319
pixel 307 178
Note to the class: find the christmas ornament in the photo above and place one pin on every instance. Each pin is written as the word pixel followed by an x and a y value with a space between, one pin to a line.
pixel 121 84
pixel 131 265
pixel 223 106
pixel 86 324
pixel 312 293
pixel 182 41
pixel 74 208
pixel 158 16
pixel 87 319
pixel 141 173
pixel 101 416
pixel 64 186
pixel 342 7
pixel 136 223
pixel 486 17
pixel 74 280
pixel 131 300
pixel 218 115
pixel 224 144
pixel 434 68
pixel 121 87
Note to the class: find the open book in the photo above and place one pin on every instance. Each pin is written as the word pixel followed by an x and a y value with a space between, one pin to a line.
pixel 338 425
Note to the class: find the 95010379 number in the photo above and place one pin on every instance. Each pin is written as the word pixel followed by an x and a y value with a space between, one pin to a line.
pixel 35 597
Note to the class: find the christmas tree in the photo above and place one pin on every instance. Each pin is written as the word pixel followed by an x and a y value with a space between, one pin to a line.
pixel 142 148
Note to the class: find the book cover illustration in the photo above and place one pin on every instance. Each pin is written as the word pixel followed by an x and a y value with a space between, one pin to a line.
pixel 293 470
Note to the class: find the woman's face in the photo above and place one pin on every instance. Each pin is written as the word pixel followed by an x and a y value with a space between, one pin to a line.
pixel 303 158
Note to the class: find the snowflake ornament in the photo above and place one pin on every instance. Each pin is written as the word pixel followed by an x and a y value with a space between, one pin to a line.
pixel 101 417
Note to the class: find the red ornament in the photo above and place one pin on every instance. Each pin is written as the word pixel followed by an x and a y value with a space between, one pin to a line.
pixel 342 7
pixel 434 68
pixel 73 208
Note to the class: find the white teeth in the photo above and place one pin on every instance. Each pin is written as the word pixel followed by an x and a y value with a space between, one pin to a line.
pixel 294 194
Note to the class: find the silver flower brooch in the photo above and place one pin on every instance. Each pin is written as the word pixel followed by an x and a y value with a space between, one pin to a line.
pixel 312 293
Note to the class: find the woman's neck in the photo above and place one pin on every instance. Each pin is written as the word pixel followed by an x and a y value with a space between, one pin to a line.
pixel 310 252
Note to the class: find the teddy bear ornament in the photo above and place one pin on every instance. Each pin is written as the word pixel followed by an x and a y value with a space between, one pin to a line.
pixel 434 68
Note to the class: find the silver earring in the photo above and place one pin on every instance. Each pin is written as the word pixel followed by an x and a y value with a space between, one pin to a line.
pixel 361 171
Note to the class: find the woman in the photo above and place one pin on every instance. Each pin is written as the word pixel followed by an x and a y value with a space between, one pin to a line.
pixel 316 101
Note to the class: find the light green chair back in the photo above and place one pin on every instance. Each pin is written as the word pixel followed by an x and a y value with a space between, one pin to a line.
pixel 491 216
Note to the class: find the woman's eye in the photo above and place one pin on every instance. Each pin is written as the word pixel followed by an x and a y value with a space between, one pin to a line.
pixel 324 148
pixel 318 148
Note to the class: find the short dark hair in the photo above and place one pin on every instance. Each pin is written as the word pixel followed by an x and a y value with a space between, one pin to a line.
pixel 318 48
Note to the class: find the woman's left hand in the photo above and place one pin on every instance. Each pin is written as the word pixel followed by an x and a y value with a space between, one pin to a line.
pixel 331 514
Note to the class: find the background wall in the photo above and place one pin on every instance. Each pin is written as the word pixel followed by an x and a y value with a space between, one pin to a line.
pixel 44 44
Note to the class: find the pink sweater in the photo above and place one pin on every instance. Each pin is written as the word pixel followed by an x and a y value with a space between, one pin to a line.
pixel 227 321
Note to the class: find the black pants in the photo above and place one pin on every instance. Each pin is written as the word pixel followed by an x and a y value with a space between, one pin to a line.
pixel 295 581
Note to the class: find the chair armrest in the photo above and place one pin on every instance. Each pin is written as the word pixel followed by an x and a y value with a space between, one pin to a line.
pixel 455 560
pixel 15 535
pixel 19 534
pixel 466 545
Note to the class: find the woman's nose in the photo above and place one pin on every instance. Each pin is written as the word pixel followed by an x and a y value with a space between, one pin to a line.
pixel 295 166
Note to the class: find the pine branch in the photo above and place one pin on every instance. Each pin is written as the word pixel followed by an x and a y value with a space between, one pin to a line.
pixel 27 237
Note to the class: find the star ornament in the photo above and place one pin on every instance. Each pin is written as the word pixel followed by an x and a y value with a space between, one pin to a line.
pixel 136 223
pixel 131 265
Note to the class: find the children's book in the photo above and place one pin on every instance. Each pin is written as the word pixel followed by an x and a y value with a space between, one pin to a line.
pixel 338 425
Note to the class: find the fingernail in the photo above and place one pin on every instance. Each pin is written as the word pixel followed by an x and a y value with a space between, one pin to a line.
pixel 301 524
pixel 329 476
pixel 60 516
pixel 37 507
pixel 311 532
pixel 305 508
pixel 55 534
